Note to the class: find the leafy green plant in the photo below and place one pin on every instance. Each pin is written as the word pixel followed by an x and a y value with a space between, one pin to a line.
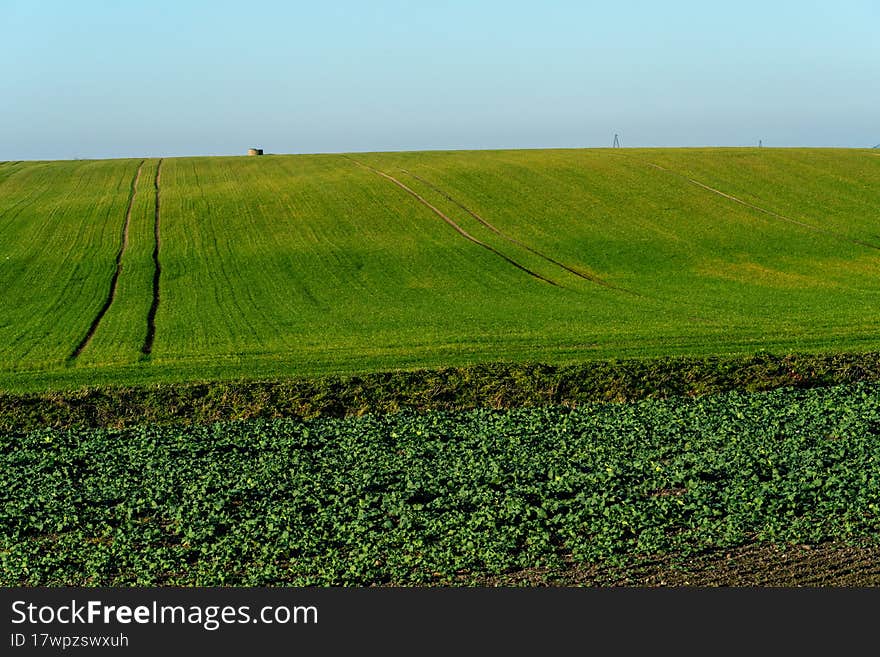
pixel 439 496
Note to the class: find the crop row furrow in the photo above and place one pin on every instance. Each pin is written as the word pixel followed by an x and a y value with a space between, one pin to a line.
pixel 763 210
pixel 111 293
pixel 461 231
pixel 588 277
pixel 157 271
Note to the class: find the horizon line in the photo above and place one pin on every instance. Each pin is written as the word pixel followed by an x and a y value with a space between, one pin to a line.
pixel 441 150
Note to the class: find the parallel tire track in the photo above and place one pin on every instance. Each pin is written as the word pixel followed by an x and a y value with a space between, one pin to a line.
pixel 111 294
pixel 461 231
pixel 147 349
pixel 513 240
pixel 775 215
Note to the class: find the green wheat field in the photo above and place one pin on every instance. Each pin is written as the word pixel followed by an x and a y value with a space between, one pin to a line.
pixel 133 271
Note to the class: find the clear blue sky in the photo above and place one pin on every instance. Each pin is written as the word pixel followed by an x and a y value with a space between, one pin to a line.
pixel 108 78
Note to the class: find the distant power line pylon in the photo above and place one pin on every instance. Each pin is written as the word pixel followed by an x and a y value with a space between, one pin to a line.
pixel 616 141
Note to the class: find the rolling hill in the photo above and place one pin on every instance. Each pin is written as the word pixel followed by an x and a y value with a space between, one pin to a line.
pixel 127 271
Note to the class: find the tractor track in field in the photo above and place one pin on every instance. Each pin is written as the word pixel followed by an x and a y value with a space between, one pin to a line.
pixel 775 215
pixel 147 349
pixel 592 279
pixel 461 231
pixel 114 281
pixel 513 240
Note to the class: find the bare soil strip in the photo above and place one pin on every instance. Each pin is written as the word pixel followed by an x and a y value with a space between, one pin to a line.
pixel 111 295
pixel 461 231
pixel 825 564
pixel 157 272
pixel 775 215
pixel 513 240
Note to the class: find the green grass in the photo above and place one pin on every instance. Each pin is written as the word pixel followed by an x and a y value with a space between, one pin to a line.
pixel 439 497
pixel 60 225
pixel 123 328
pixel 294 266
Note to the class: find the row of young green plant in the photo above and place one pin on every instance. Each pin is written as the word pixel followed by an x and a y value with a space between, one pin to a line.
pixel 437 497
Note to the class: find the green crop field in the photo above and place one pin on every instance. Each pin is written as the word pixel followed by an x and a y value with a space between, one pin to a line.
pixel 445 497
pixel 127 271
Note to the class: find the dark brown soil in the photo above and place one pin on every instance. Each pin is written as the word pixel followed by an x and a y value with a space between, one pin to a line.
pixel 828 564
pixel 147 349
pixel 486 385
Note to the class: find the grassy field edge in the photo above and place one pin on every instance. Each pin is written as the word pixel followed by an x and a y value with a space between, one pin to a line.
pixel 494 385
